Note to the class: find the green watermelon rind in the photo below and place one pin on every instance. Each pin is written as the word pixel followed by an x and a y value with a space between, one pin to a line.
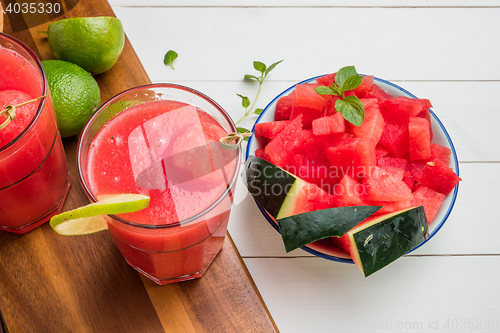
pixel 302 229
pixel 388 238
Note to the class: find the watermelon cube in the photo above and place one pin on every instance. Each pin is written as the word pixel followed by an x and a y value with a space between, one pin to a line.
pixel 373 124
pixel 283 108
pixel 286 143
pixel 419 138
pixel 390 206
pixel 349 192
pixel 261 152
pixel 308 103
pixel 410 106
pixel 430 199
pixel 439 177
pixel 381 186
pixel 363 90
pixel 352 157
pixel 426 114
pixel 333 140
pixel 394 166
pixel 395 139
pixel 326 80
pixel 440 152
pixel 329 125
pixel 378 93
pixel 270 129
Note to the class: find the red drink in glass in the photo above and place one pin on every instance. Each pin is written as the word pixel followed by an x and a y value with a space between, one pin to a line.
pixel 163 141
pixel 34 176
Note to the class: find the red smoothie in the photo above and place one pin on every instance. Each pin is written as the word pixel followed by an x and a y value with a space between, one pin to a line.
pixel 170 152
pixel 34 177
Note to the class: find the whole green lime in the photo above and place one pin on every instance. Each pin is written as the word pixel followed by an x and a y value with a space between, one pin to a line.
pixel 75 95
pixel 93 43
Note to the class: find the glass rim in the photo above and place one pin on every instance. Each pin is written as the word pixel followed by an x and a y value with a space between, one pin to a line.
pixel 44 90
pixel 191 219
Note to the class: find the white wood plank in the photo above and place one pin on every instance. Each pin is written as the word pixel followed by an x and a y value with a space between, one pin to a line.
pixel 433 294
pixel 472 228
pixel 394 43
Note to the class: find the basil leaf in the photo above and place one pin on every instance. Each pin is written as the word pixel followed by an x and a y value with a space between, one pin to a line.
pixel 169 58
pixel 270 68
pixel 245 101
pixel 352 110
pixel 258 111
pixel 260 66
pixel 343 74
pixel 352 82
pixel 325 90
pixel 251 77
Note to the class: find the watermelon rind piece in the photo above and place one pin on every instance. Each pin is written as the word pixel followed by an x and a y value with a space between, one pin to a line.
pixel 386 238
pixel 268 184
pixel 302 229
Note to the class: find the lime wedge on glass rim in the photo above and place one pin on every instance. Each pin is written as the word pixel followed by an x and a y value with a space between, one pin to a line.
pixel 89 219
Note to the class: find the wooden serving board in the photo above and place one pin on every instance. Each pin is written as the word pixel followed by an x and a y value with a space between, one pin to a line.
pixel 52 283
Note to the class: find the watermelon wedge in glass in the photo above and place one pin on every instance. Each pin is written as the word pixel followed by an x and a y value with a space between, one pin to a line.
pixel 398 160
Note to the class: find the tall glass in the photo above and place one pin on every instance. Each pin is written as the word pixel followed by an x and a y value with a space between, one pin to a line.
pixel 34 176
pixel 162 140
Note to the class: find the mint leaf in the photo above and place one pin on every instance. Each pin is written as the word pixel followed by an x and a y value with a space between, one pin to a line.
pixel 343 74
pixel 251 77
pixel 325 90
pixel 352 82
pixel 243 130
pixel 169 58
pixel 245 101
pixel 352 110
pixel 259 66
pixel 258 111
pixel 270 68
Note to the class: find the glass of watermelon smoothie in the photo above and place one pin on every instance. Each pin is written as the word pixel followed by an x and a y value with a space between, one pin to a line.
pixel 34 176
pixel 162 140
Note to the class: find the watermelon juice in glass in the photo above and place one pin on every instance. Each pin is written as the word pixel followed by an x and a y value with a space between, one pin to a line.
pixel 162 140
pixel 34 176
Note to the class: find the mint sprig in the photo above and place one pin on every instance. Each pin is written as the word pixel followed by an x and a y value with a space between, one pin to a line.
pixel 350 107
pixel 245 101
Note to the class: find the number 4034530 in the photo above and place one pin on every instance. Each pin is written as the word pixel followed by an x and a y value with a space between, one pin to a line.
pixel 33 8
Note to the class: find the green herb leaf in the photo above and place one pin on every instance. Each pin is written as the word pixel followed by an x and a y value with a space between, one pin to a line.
pixel 170 56
pixel 245 101
pixel 352 82
pixel 264 70
pixel 259 66
pixel 352 110
pixel 243 130
pixel 270 68
pixel 251 77
pixel 343 74
pixel 325 90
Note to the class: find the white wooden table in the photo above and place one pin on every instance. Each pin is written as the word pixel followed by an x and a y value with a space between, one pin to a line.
pixel 446 51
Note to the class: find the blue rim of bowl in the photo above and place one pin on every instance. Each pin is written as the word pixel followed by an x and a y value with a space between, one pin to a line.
pixel 448 138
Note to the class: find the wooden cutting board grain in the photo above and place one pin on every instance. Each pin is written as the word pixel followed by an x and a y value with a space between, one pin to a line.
pixel 51 283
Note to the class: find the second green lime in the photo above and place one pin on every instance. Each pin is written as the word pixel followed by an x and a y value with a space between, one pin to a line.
pixel 93 43
pixel 75 95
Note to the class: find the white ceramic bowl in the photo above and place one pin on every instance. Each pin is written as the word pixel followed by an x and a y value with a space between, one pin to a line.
pixel 325 248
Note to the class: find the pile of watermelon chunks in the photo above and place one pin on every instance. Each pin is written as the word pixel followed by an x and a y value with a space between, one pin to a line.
pixel 388 161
